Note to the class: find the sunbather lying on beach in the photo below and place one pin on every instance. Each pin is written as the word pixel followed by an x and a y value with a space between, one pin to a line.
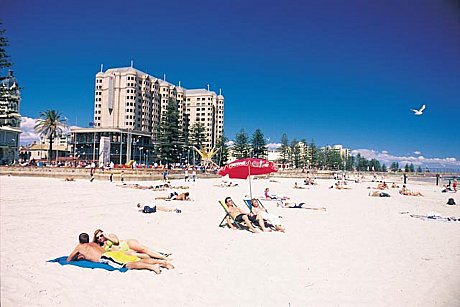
pixel 175 196
pixel 406 191
pixel 238 215
pixel 152 208
pixel 271 196
pixel 296 186
pixel 69 179
pixel 262 214
pixel 118 259
pixel 340 186
pixel 293 205
pixel 110 242
pixel 379 194
pixel 309 181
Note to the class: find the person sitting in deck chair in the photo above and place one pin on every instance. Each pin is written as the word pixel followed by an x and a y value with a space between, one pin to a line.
pixel 239 216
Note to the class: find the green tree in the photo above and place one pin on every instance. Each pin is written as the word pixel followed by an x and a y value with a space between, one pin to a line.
pixel 222 156
pixel 384 168
pixel 294 157
pixel 411 168
pixel 259 146
pixel 4 57
pixel 241 148
pixel 314 154
pixel 419 169
pixel 349 165
pixel 304 157
pixel 406 168
pixel 285 150
pixel 334 160
pixel 4 63
pixel 168 133
pixel 198 135
pixel 50 125
pixel 394 167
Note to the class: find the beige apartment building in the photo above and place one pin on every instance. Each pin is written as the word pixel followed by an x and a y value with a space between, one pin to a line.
pixel 131 100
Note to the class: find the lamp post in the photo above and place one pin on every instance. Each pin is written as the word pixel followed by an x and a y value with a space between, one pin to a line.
pixel 140 151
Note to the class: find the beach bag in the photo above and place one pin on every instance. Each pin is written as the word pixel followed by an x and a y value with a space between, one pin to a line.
pixel 451 201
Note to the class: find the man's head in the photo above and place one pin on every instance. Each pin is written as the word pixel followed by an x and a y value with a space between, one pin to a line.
pixel 228 201
pixel 187 194
pixel 83 238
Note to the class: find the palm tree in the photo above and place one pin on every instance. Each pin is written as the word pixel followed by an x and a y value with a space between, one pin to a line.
pixel 49 125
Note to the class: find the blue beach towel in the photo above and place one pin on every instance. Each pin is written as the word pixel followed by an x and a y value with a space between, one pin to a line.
pixel 86 264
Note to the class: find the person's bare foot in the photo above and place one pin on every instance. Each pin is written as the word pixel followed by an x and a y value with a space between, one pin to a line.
pixel 156 268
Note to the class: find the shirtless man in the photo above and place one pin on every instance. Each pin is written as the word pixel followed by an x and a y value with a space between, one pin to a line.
pixel 240 216
pixel 175 196
pixel 93 252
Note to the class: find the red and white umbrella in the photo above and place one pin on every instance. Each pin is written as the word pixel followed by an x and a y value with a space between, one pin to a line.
pixel 244 168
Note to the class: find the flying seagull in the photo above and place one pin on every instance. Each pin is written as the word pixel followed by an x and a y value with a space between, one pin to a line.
pixel 419 112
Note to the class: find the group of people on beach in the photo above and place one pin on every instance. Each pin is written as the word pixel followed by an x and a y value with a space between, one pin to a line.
pixel 255 219
pixel 109 249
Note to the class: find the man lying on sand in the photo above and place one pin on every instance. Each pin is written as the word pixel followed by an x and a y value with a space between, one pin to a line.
pixel 152 208
pixel 175 196
pixel 117 259
pixel 283 204
pixel 379 194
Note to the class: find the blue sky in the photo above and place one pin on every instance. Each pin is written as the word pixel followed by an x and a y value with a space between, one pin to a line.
pixel 337 72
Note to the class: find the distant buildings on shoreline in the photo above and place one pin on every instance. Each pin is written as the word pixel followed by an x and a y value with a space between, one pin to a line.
pixel 10 119
pixel 128 107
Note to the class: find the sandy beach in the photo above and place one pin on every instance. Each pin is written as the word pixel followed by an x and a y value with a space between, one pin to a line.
pixel 361 251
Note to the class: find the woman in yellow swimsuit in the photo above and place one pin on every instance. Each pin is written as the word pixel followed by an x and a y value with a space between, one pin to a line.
pixel 110 242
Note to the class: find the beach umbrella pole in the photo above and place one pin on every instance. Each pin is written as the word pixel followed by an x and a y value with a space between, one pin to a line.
pixel 250 186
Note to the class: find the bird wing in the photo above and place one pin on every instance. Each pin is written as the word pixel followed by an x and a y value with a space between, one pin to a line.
pixel 422 108
pixel 414 110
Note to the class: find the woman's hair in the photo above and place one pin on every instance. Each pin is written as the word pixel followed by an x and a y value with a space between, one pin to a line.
pixel 94 237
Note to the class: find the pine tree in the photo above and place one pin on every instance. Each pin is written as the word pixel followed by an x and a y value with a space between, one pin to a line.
pixel 411 168
pixel 168 134
pixel 241 148
pixel 259 146
pixel 284 149
pixel 222 157
pixel 294 157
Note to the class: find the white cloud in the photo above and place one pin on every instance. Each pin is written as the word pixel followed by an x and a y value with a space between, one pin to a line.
pixel 417 152
pixel 28 134
pixel 387 158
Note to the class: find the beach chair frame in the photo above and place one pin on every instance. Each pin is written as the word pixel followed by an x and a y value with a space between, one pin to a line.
pixel 248 203
pixel 224 223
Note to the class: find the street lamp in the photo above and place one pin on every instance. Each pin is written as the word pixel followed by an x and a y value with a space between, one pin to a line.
pixel 140 150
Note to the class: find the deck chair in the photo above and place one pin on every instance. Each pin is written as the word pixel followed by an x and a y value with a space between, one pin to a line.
pixel 224 223
pixel 249 205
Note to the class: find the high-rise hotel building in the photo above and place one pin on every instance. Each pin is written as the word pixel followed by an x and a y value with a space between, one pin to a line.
pixel 128 106
pixel 127 98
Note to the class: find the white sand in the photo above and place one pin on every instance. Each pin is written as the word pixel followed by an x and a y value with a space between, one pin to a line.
pixel 361 252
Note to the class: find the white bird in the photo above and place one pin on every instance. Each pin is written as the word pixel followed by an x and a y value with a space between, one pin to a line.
pixel 419 112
